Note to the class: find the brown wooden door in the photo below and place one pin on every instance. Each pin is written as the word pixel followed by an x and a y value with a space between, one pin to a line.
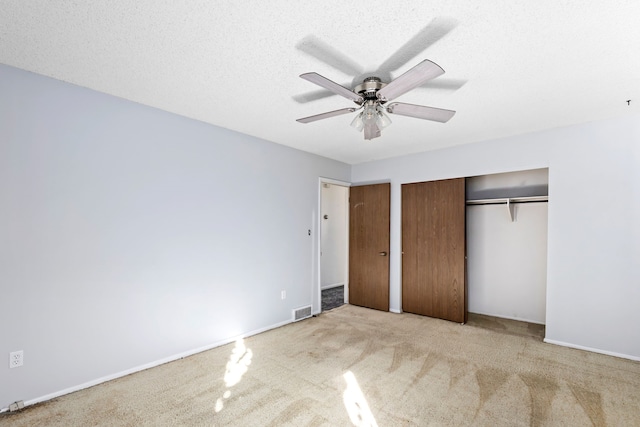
pixel 433 249
pixel 369 246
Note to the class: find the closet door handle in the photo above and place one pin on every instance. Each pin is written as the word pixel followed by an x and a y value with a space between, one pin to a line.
pixel 382 253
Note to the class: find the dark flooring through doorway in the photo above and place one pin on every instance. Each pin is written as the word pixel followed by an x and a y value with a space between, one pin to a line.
pixel 332 298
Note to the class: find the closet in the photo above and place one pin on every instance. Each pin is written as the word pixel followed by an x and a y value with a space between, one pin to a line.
pixel 507 244
pixel 477 244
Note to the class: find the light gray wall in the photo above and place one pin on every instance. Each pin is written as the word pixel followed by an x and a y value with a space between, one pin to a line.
pixel 334 232
pixel 130 235
pixel 594 232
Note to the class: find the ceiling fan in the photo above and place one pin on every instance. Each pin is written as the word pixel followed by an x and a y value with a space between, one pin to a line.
pixel 373 90
pixel 373 97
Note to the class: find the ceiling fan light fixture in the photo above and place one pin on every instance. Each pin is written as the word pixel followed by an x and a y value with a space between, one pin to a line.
pixel 358 123
pixel 370 113
pixel 382 120
pixel 373 118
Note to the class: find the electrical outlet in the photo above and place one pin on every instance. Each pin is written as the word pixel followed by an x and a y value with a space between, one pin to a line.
pixel 16 358
pixel 283 294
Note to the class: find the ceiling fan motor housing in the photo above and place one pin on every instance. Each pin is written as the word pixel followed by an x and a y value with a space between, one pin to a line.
pixel 369 87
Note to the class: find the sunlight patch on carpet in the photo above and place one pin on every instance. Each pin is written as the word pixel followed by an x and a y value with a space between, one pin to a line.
pixel 237 366
pixel 356 404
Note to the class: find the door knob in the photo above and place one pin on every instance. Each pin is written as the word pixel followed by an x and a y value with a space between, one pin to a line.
pixel 382 253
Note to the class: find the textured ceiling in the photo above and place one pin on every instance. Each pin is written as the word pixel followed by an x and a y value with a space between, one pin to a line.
pixel 511 67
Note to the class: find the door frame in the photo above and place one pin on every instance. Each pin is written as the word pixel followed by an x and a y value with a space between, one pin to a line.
pixel 316 291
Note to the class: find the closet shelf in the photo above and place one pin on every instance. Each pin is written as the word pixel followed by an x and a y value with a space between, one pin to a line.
pixel 509 201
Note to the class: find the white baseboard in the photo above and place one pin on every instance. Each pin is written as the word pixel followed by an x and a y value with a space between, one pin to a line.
pixel 593 350
pixel 395 310
pixel 146 366
pixel 334 285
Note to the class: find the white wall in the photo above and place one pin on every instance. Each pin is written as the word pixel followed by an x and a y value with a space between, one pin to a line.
pixel 130 235
pixel 334 233
pixel 594 232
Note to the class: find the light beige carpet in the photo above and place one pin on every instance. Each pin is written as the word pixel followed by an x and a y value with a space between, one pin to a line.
pixel 364 367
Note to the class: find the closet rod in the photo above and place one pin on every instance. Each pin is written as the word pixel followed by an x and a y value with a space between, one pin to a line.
pixel 509 200
pixel 475 203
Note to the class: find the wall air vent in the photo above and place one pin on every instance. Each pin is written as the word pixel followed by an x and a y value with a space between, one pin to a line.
pixel 301 313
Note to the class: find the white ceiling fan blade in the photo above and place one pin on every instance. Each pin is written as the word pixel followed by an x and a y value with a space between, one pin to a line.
pixel 421 73
pixel 313 95
pixel 326 115
pixel 420 112
pixel 332 86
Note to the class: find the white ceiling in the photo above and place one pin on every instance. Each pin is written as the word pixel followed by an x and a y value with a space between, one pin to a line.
pixel 511 66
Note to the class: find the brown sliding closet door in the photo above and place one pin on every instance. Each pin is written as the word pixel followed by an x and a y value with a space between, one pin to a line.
pixel 433 249
pixel 369 246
